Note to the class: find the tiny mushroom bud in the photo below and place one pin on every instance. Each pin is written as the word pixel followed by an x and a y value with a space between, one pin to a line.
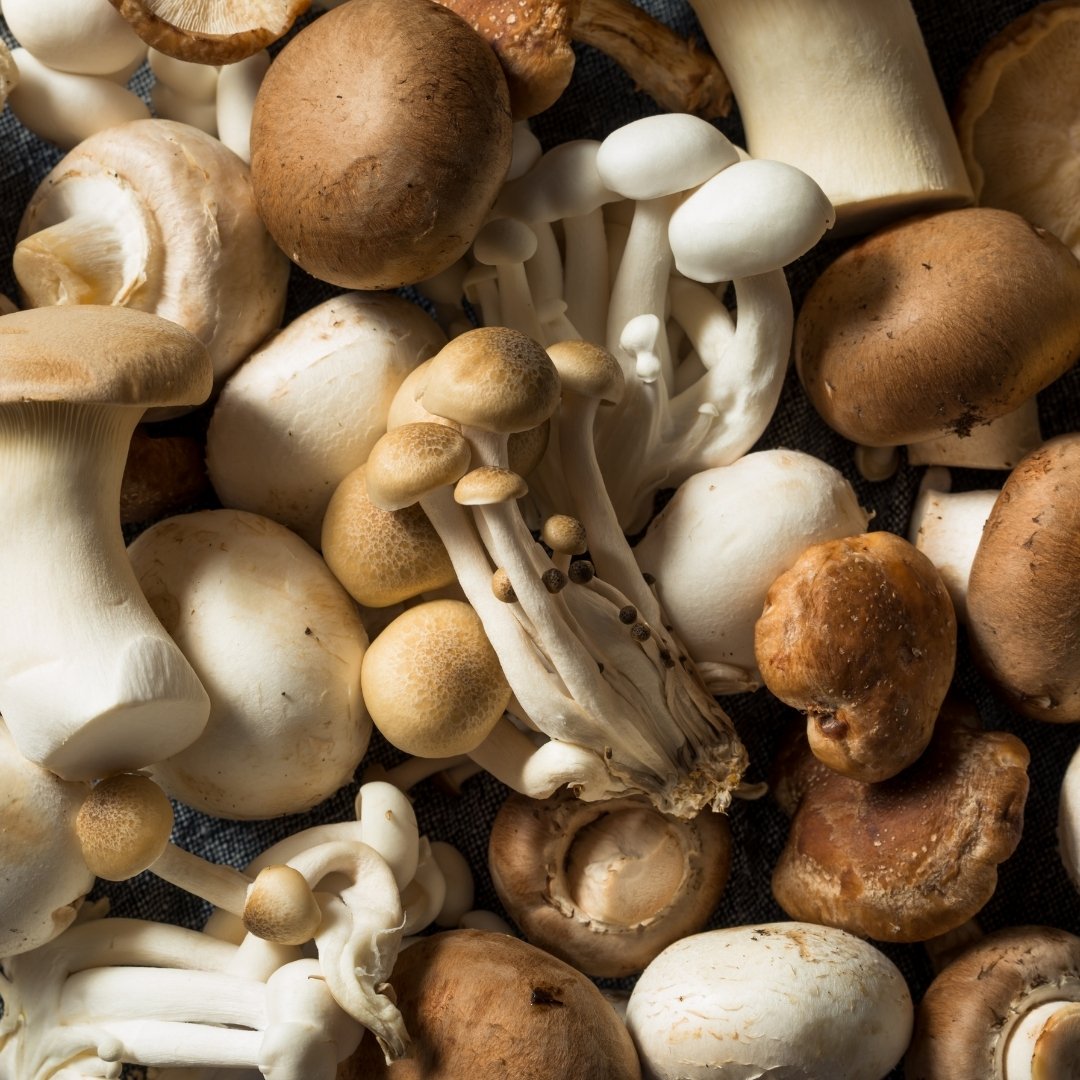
pixel 859 633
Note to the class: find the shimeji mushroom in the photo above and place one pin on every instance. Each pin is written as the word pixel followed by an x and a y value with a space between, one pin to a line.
pixel 376 205
pixel 89 681
pixel 158 216
pixel 860 635
pixel 784 999
pixel 726 534
pixel 606 885
pixel 586 652
pixel 1007 1008
pixel 846 93
pixel 305 408
pixel 278 645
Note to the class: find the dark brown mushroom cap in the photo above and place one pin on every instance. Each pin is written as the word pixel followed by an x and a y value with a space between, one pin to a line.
pixel 606 885
pixel 969 1010
pixel 1023 597
pixel 492 1007
pixel 911 857
pixel 99 354
pixel 860 635
pixel 379 141
pixel 938 324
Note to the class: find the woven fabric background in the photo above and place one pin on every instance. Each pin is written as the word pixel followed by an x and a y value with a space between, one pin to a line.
pixel 1033 887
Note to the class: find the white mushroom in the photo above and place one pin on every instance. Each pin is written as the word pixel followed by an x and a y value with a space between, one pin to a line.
pixel 86 37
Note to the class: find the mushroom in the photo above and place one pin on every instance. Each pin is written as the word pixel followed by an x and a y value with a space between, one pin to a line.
pixel 724 537
pixel 278 645
pixel 1007 1008
pixel 376 205
pixel 606 885
pixel 305 408
pixel 159 216
pixel 1068 822
pixel 848 96
pixel 770 999
pixel 86 37
pixel 859 634
pixel 163 474
pixel 908 858
pixel 89 681
pixel 478 1003
pixel 882 374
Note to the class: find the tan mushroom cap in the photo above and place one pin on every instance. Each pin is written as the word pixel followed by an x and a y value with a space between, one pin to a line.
pixel 588 369
pixel 937 325
pixel 487 1005
pixel 493 378
pixel 606 885
pixel 281 907
pixel 413 460
pixel 381 556
pixel 489 485
pixel 860 635
pixel 210 31
pixel 1023 598
pixel 92 354
pixel 432 682
pixel 564 534
pixel 911 857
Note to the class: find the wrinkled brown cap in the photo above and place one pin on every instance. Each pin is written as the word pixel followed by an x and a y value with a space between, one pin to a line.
pixel 93 354
pixel 908 858
pixel 588 369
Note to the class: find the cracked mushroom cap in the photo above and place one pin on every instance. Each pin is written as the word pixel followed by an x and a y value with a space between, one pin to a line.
pixel 1023 599
pixel 487 1005
pixel 909 858
pixel 937 325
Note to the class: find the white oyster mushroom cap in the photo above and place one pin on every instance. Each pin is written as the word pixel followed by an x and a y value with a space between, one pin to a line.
pixel 304 410
pixel 44 877
pixel 725 536
pixel 278 645
pixel 87 37
pixel 787 1000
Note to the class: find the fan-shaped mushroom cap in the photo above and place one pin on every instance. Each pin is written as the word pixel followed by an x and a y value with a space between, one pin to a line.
pixel 410 461
pixel 1023 598
pixel 937 325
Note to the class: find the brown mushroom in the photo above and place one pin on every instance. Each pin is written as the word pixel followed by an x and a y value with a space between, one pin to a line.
pixel 163 474
pixel 380 138
pixel 1007 1008
pixel 908 858
pixel 938 325
pixel 1023 603
pixel 606 885
pixel 860 635
pixel 487 1005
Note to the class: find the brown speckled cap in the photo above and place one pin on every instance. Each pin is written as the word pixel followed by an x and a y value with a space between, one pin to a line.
pixel 100 355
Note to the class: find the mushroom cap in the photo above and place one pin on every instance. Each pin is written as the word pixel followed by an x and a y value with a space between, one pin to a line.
pixel 972 1007
pixel 93 354
pixel 380 137
pixel 493 378
pixel 489 485
pixel 776 999
pixel 1023 598
pixel 485 1004
pixel 413 460
pixel 938 324
pixel 588 369
pixel 911 857
pixel 606 885
pixel 564 534
pixel 280 906
pixel 860 634
pixel 432 682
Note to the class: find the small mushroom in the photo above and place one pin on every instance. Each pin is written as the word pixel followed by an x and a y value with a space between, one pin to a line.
pixel 484 1004
pixel 1007 1008
pixel 606 885
pixel 908 858
pixel 860 635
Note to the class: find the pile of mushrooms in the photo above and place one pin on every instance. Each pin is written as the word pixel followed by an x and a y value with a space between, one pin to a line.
pixel 399 427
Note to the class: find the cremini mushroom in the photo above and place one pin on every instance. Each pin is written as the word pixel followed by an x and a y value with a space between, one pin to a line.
pixel 163 474
pixel 158 216
pixel 859 634
pixel 376 205
pixel 780 999
pixel 478 1003
pixel 908 858
pixel 606 885
pixel 277 643
pixel 89 681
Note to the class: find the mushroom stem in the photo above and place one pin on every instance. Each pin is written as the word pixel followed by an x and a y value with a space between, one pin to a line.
pixel 998 444
pixel 1045 1042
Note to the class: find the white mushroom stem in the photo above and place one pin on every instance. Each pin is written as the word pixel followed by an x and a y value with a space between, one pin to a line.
pixel 412 771
pixel 388 824
pixel 424 896
pixel 507 245
pixel 999 444
pixel 947 527
pixel 460 888
pixel 1044 1041
pixel 238 84
pixel 219 885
